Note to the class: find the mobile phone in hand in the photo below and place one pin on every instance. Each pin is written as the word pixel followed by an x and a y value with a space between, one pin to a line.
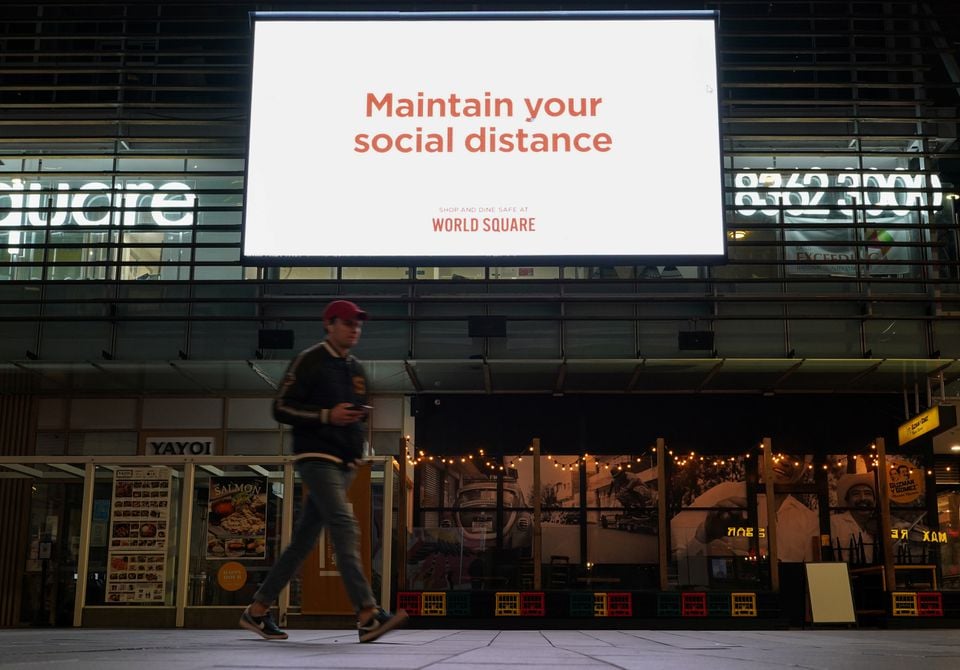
pixel 361 408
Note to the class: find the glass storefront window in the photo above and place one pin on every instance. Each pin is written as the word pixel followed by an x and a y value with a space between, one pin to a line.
pixel 147 255
pixel 237 512
pixel 532 272
pixel 294 273
pixel 888 196
pixel 948 509
pixel 622 526
pixel 481 504
pixel 133 547
pixel 451 273
pixel 78 206
pixel 375 272
pixel 809 196
pixel 854 512
pixel 134 528
pixel 714 530
pixel 49 576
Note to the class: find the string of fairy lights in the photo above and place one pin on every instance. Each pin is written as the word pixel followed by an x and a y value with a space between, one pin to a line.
pixel 480 459
pixel 483 461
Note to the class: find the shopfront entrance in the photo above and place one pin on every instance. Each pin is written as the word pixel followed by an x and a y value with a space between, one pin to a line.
pixel 601 509
pixel 50 570
pixel 170 541
pixel 948 508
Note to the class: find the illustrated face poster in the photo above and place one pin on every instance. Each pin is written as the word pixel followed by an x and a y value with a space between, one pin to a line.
pixel 855 514
pixel 236 518
pixel 140 515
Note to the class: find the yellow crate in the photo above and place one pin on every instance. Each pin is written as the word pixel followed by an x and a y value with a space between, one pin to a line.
pixel 508 604
pixel 743 604
pixel 904 603
pixel 433 603
pixel 599 604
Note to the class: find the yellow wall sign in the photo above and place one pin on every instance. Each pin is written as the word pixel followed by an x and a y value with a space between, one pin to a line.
pixel 905 481
pixel 232 576
pixel 746 531
pixel 937 536
pixel 919 425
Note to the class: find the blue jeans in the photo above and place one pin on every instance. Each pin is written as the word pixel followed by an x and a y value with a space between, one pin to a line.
pixel 326 507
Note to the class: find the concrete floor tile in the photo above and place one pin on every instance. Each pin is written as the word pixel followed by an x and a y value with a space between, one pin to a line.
pixel 410 649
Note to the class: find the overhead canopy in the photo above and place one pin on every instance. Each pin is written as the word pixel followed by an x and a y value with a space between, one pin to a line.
pixel 485 376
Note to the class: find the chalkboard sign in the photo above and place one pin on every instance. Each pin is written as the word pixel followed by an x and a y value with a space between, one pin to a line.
pixel 829 593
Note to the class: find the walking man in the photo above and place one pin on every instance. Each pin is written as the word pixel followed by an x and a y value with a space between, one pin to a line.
pixel 324 398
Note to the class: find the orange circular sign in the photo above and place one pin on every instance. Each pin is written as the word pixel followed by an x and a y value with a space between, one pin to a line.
pixel 905 481
pixel 231 576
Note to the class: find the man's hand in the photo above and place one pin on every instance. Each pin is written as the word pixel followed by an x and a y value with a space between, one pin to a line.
pixel 342 415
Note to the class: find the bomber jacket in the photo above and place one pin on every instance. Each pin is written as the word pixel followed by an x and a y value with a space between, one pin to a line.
pixel 317 380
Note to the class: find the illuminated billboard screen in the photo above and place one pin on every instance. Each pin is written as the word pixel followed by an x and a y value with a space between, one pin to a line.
pixel 542 138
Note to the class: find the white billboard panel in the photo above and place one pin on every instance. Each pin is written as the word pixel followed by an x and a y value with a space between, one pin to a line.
pixel 537 138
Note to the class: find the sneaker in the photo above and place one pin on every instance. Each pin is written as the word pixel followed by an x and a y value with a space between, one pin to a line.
pixel 264 626
pixel 381 622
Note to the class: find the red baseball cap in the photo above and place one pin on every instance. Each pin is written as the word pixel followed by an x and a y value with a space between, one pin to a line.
pixel 344 309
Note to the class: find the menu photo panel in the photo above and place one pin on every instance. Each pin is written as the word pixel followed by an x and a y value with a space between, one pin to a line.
pixel 139 532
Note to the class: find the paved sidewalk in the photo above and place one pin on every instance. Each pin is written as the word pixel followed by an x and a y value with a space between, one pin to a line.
pixel 483 649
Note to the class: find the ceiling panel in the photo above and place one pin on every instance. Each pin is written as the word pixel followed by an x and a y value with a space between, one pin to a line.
pixel 449 376
pixel 524 376
pixel 599 375
pixel 707 375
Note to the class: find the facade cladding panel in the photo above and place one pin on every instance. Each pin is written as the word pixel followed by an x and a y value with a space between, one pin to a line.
pixel 123 161
pixel 123 130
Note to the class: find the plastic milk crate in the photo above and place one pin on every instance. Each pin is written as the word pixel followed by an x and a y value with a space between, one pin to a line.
pixel 718 604
pixel 433 603
pixel 458 603
pixel 743 604
pixel 409 601
pixel 904 603
pixel 599 604
pixel 582 604
pixel 508 603
pixel 929 603
pixel 532 603
pixel 693 603
pixel 668 604
pixel 619 604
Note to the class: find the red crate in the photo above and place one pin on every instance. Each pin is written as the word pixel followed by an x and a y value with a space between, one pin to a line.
pixel 532 603
pixel 410 601
pixel 693 603
pixel 619 604
pixel 929 603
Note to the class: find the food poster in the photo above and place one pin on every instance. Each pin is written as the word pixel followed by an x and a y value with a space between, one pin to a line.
pixel 136 578
pixel 236 518
pixel 139 524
